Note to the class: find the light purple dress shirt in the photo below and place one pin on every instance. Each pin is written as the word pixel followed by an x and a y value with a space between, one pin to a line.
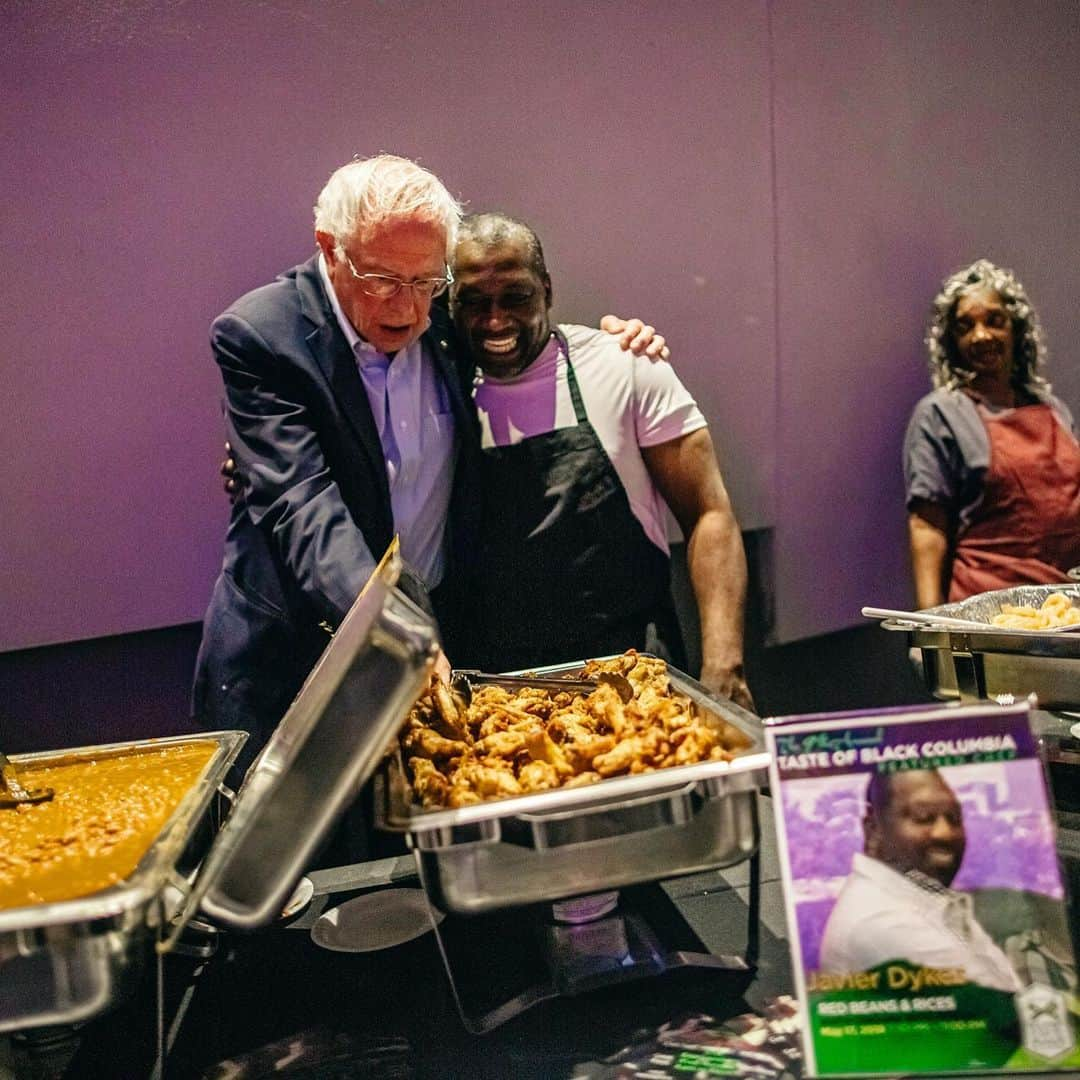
pixel 416 428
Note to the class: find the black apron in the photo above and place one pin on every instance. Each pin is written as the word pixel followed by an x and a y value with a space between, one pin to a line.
pixel 567 569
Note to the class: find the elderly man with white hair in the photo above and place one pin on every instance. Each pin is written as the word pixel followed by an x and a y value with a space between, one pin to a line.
pixel 349 417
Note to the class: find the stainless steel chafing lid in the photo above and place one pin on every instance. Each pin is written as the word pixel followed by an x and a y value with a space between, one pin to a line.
pixel 327 744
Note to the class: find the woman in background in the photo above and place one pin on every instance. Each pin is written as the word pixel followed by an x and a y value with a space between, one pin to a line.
pixel 991 461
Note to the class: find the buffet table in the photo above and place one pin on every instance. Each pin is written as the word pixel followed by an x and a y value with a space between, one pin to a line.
pixel 553 938
pixel 545 875
pixel 391 1013
pixel 394 1009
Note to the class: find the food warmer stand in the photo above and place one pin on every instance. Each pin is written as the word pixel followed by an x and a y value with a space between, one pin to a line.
pixel 540 872
pixel 1002 665
pixel 977 664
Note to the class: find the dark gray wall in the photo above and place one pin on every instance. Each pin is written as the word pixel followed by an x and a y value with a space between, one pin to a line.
pixel 779 186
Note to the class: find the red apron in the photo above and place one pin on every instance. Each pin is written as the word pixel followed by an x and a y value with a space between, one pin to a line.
pixel 1026 529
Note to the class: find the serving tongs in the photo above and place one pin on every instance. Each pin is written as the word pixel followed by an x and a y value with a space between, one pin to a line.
pixel 12 792
pixel 463 680
pixel 948 622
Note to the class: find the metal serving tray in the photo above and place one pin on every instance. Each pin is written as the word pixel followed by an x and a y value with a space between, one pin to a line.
pixel 554 844
pixel 992 663
pixel 63 962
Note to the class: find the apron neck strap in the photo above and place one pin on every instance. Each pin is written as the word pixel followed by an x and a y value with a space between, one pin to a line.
pixel 571 379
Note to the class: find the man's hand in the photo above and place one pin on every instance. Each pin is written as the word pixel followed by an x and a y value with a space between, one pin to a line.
pixel 638 337
pixel 729 683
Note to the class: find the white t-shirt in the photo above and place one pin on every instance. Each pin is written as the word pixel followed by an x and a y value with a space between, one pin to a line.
pixel 631 402
pixel 880 915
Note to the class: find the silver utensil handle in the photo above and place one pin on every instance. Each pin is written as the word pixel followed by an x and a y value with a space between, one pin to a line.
pixel 539 682
pixel 925 618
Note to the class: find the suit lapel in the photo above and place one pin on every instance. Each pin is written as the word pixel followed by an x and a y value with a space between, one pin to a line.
pixel 456 372
pixel 440 343
pixel 337 362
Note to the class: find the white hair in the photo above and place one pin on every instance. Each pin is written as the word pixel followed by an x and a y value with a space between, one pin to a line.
pixel 369 191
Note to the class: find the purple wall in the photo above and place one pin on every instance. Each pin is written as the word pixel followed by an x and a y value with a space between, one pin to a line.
pixel 161 159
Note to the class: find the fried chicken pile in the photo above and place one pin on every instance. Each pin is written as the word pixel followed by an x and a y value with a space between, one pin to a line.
pixel 506 743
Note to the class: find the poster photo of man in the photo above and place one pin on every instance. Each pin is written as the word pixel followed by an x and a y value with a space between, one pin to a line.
pixel 924 895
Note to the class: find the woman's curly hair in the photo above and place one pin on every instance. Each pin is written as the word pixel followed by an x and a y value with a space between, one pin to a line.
pixel 1029 355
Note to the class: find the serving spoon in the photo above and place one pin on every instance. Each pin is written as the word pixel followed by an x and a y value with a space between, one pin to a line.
pixel 12 792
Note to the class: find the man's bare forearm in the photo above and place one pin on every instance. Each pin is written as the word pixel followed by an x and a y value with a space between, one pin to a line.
pixel 688 476
pixel 717 566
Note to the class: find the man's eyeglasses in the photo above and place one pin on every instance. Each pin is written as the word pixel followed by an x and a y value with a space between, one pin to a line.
pixel 385 287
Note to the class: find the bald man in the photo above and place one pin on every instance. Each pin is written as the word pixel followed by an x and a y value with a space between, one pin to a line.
pixel 897 903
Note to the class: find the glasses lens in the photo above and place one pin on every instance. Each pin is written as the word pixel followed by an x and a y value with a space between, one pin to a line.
pixel 381 287
pixel 385 287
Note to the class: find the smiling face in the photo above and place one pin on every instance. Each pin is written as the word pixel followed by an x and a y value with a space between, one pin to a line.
pixel 921 827
pixel 982 331
pixel 500 303
pixel 410 249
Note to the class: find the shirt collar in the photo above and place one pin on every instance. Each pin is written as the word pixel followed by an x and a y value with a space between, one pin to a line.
pixel 918 884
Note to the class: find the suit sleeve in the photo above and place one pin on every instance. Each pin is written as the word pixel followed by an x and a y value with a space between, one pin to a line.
pixel 290 493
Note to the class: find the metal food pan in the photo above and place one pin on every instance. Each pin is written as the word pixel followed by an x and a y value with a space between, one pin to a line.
pixel 65 961
pixel 552 844
pixel 995 663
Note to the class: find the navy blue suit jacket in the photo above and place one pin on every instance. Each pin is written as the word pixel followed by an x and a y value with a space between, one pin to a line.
pixel 315 514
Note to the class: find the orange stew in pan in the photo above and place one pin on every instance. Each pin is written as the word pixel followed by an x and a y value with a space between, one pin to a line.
pixel 106 813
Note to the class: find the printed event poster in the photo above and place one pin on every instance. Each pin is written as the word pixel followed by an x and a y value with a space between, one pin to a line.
pixel 925 901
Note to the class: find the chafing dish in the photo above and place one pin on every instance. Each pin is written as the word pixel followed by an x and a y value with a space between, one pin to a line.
pixel 64 961
pixel 567 842
pixel 327 745
pixel 61 963
pixel 996 663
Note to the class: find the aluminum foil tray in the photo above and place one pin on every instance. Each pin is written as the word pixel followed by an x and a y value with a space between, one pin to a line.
pixel 996 663
pixel 63 962
pixel 567 842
